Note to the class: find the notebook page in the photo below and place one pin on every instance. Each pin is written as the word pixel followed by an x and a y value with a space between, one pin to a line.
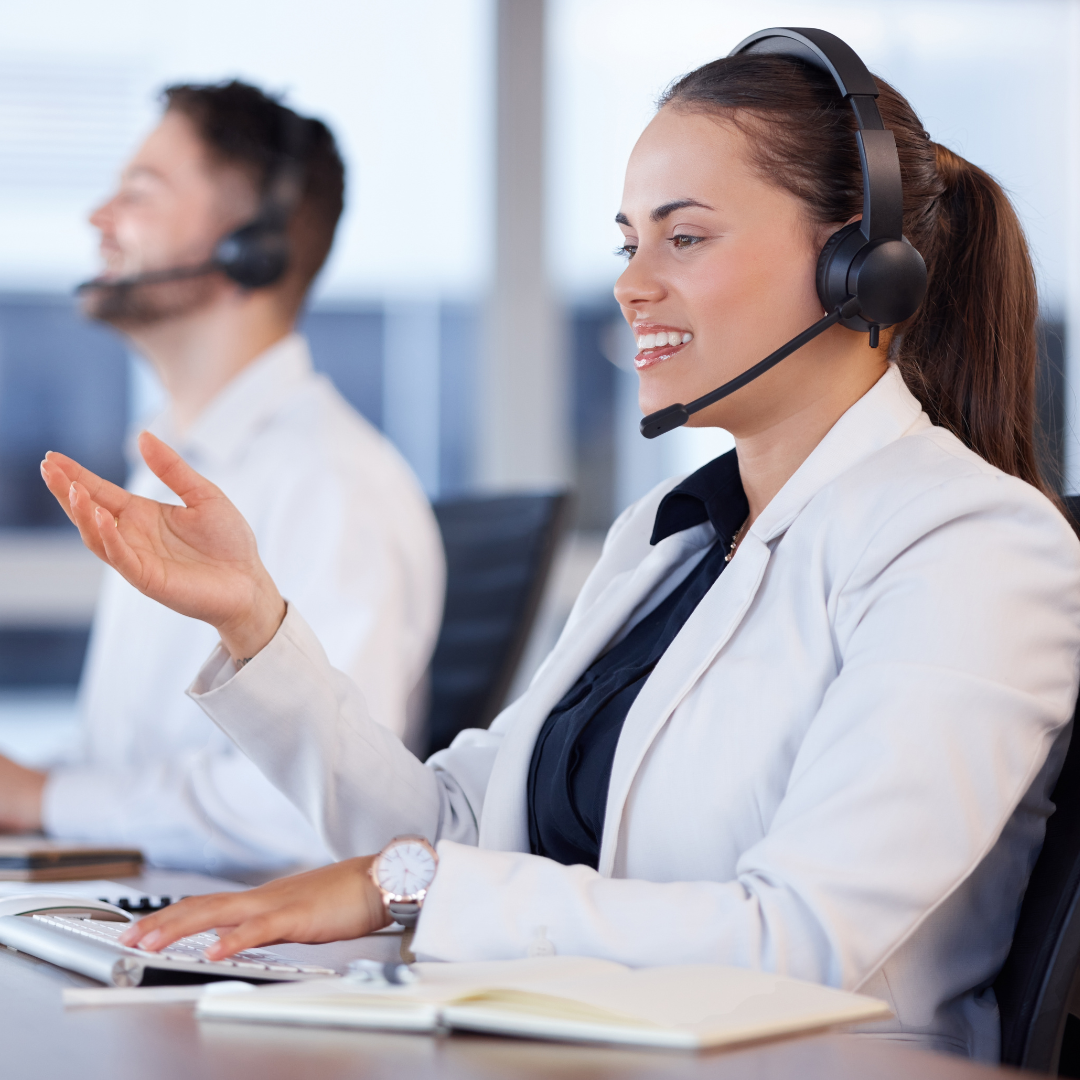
pixel 695 1005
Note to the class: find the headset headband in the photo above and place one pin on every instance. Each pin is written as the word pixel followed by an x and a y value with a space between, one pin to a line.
pixel 883 195
pixel 284 184
pixel 257 254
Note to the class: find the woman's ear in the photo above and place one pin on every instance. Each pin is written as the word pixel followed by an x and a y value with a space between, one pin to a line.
pixel 823 232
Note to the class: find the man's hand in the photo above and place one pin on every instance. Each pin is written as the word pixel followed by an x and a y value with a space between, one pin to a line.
pixel 20 797
pixel 333 903
pixel 199 559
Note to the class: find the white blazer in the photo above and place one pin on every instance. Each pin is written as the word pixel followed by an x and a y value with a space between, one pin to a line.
pixel 838 770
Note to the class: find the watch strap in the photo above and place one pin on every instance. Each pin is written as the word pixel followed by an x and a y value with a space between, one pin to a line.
pixel 406 914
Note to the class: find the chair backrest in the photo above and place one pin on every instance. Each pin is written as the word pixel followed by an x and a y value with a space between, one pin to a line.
pixel 1041 976
pixel 499 552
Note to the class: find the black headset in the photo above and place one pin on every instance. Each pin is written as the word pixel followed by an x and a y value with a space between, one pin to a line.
pixel 869 277
pixel 256 254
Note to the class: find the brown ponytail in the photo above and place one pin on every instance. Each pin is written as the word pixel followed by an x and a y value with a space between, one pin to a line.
pixel 969 352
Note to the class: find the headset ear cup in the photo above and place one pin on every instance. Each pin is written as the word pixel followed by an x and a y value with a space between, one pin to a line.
pixel 833 264
pixel 255 255
pixel 886 277
pixel 889 278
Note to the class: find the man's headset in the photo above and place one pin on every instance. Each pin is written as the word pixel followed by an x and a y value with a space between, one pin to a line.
pixel 868 276
pixel 257 253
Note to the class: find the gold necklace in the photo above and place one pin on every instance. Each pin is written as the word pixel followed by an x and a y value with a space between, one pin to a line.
pixel 736 541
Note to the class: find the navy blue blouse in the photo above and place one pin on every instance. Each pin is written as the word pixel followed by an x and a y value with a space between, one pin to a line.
pixel 572 758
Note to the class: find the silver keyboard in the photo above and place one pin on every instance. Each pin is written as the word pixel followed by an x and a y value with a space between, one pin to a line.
pixel 184 960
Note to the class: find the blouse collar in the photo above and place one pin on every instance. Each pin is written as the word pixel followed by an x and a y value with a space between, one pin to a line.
pixel 714 493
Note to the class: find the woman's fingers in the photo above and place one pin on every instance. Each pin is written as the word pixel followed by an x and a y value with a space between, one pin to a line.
pixel 81 510
pixel 60 464
pixel 59 485
pixel 172 470
pixel 107 494
pixel 329 904
pixel 191 916
pixel 100 533
pixel 270 928
pixel 67 482
pixel 118 552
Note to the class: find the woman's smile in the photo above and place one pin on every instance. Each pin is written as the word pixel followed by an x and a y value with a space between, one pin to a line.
pixel 656 343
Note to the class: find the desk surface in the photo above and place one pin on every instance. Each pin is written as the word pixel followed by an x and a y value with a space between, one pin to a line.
pixel 44 1041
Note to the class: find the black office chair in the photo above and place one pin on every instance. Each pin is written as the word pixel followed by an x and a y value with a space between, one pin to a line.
pixel 1038 989
pixel 498 555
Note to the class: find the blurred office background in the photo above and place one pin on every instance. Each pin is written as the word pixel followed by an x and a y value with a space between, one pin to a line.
pixel 467 306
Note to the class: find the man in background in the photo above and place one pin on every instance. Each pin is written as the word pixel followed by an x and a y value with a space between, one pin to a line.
pixel 340 520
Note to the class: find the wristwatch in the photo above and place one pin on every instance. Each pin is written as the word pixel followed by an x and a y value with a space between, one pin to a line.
pixel 403 872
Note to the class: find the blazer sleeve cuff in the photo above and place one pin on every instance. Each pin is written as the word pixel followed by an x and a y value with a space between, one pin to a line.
pixel 279 682
pixel 469 913
pixel 220 668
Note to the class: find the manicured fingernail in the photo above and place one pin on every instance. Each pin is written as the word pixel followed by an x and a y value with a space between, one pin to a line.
pixel 129 936
pixel 151 939
pixel 72 494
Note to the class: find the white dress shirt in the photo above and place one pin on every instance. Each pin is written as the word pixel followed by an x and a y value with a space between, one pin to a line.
pixel 839 770
pixel 348 536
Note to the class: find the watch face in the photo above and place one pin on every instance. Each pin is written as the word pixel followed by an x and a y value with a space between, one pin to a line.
pixel 406 869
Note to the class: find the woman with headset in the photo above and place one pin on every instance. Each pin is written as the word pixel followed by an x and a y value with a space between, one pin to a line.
pixel 808 709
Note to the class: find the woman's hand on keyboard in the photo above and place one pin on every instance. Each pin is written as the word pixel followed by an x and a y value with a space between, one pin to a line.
pixel 333 903
pixel 199 559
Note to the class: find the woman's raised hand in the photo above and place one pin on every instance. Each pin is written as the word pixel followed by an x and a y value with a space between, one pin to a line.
pixel 199 559
pixel 333 903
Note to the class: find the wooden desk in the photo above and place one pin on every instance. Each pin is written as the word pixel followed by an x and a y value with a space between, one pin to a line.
pixel 41 1040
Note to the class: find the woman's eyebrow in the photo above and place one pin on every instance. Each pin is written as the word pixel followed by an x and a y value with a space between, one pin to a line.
pixel 662 212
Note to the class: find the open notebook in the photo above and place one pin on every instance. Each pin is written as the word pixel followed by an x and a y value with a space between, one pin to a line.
pixel 566 998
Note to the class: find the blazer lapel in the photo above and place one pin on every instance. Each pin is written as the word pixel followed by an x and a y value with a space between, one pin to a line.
pixel 704 634
pixel 504 821
pixel 886 412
